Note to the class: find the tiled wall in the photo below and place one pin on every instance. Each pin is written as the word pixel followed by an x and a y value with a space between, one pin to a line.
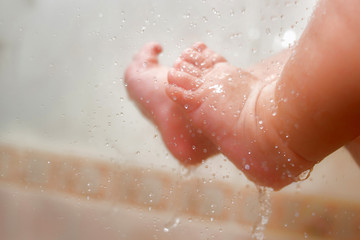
pixel 160 192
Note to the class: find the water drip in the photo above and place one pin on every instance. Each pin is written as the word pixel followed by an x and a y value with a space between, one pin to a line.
pixel 304 175
pixel 264 213
pixel 173 223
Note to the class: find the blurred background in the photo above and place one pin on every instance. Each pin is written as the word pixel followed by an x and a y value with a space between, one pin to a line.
pixel 64 110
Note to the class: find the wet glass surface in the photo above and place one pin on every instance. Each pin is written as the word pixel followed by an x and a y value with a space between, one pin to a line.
pixel 78 160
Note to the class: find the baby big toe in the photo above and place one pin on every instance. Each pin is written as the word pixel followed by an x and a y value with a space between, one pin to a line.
pixel 193 57
pixel 183 80
pixel 211 58
pixel 184 66
pixel 148 54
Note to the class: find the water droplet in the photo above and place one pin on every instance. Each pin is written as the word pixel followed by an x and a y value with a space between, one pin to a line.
pixel 235 35
pixel 193 25
pixel 216 12
pixel 304 175
pixel 173 223
pixel 187 172
pixel 247 166
pixel 186 15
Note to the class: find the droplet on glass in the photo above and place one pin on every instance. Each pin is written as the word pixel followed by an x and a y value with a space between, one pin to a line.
pixel 173 223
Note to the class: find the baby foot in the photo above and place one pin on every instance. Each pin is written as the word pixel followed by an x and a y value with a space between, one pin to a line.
pixel 146 80
pixel 235 110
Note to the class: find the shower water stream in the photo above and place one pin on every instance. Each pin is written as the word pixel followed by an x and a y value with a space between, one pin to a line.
pixel 264 199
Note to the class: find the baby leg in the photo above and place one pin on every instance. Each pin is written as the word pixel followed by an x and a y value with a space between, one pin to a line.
pixel 318 94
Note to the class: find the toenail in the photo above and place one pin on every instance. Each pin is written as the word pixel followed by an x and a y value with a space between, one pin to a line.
pixel 199 46
pixel 188 51
pixel 198 49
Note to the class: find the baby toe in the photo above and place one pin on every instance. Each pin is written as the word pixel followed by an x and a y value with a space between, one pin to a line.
pixel 199 46
pixel 193 57
pixel 148 53
pixel 186 99
pixel 211 58
pixel 183 80
pixel 184 66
